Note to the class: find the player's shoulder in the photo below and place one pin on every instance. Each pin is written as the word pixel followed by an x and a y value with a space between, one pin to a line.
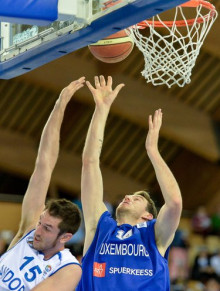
pixel 106 216
pixel 146 224
pixel 67 257
pixel 106 221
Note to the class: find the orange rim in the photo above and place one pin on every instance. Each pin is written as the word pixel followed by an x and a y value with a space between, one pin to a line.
pixel 192 3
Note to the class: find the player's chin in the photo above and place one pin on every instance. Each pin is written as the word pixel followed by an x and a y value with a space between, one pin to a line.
pixel 37 245
pixel 120 206
pixel 122 209
pixel 123 205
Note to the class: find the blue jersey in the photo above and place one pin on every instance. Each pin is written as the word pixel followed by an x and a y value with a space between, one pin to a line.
pixel 23 267
pixel 124 257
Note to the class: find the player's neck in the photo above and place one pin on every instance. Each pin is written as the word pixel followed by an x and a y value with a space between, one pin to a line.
pixel 127 219
pixel 51 252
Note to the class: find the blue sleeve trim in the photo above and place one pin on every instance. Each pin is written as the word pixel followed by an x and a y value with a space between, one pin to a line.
pixel 102 217
pixel 65 266
pixel 152 224
pixel 38 12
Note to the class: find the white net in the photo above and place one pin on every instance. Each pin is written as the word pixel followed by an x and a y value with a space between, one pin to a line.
pixel 170 48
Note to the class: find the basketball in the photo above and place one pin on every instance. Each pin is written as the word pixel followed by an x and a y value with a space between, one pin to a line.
pixel 114 48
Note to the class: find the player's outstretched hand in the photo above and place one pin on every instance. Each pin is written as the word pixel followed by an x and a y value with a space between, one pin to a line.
pixel 69 91
pixel 155 123
pixel 102 92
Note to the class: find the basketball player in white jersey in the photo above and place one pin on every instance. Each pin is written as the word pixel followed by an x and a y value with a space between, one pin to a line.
pixel 130 253
pixel 36 258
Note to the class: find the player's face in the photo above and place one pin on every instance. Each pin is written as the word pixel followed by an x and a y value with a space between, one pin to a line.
pixel 135 204
pixel 46 237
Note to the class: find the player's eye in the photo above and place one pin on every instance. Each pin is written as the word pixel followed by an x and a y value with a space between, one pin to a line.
pixel 46 228
pixel 137 198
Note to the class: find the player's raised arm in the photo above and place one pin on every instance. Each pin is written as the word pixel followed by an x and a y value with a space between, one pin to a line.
pixel 34 199
pixel 169 215
pixel 92 184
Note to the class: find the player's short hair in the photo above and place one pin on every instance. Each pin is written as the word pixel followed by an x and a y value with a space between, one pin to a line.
pixel 67 211
pixel 151 208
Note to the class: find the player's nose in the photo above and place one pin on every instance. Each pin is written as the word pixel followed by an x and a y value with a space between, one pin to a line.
pixel 127 198
pixel 38 230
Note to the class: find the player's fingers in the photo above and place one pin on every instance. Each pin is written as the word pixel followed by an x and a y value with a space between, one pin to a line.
pixel 91 88
pixel 119 87
pixel 80 80
pixel 155 117
pixel 150 122
pixel 102 80
pixel 97 83
pixel 109 81
pixel 158 117
pixel 78 86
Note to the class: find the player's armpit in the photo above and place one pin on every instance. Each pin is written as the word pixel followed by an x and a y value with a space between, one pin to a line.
pixel 164 232
pixel 66 279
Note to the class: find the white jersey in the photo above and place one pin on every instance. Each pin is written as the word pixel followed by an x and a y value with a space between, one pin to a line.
pixel 23 267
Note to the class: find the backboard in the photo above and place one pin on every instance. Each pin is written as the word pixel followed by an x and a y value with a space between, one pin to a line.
pixel 32 38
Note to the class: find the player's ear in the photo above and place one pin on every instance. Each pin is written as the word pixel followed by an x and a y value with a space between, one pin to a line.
pixel 147 216
pixel 66 237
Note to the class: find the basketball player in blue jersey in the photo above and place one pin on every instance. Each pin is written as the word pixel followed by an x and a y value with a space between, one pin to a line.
pixel 129 254
pixel 37 259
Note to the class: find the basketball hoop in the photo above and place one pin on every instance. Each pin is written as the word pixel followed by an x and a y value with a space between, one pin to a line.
pixel 170 48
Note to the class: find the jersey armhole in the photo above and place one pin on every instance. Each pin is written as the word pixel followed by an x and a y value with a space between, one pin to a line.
pixel 167 250
pixel 104 214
